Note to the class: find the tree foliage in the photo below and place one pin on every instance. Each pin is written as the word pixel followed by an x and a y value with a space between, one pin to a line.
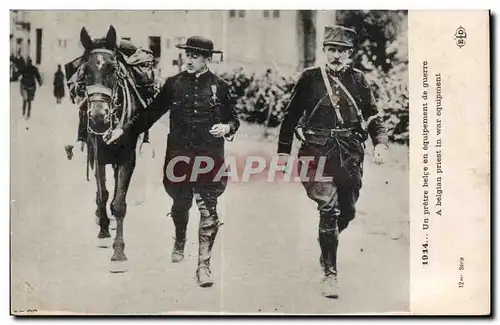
pixel 382 54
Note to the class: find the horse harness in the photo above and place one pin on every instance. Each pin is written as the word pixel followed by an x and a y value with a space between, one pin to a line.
pixel 102 92
pixel 121 90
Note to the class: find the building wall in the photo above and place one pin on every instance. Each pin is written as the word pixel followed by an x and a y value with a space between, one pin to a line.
pixel 19 36
pixel 253 41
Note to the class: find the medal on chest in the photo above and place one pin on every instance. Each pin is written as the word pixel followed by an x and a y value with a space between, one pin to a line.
pixel 214 92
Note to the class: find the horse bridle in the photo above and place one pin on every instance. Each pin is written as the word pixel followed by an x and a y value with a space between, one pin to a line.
pixel 104 94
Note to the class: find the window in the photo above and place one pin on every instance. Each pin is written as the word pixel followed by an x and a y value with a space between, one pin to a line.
pixel 155 45
pixel 62 42
pixel 232 13
pixel 267 13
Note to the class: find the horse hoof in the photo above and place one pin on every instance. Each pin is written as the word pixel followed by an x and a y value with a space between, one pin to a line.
pixel 104 242
pixel 119 266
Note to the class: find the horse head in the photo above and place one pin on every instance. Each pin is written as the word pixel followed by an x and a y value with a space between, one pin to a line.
pixel 100 74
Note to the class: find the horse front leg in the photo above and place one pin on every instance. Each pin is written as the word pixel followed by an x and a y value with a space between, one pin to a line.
pixel 101 200
pixel 123 175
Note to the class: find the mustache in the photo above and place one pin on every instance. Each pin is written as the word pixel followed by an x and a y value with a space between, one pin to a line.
pixel 340 61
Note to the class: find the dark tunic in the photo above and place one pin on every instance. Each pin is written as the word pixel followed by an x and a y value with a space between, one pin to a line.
pixel 311 109
pixel 310 106
pixel 59 84
pixel 194 109
pixel 30 75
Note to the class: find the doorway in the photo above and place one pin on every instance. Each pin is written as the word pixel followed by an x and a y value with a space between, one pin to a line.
pixel 155 47
pixel 38 55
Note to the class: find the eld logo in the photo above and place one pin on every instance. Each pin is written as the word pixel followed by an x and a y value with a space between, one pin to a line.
pixel 460 36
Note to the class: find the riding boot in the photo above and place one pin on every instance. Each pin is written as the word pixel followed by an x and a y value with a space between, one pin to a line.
pixel 328 236
pixel 180 219
pixel 178 250
pixel 207 233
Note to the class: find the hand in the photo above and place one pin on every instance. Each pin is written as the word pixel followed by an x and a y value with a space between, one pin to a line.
pixel 220 130
pixel 300 134
pixel 380 153
pixel 111 137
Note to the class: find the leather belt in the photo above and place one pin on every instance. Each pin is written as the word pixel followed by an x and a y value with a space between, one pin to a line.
pixel 332 133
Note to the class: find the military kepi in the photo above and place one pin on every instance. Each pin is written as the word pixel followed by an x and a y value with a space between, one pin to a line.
pixel 339 35
pixel 199 44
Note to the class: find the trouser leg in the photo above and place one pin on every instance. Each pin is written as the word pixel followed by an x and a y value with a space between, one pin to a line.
pixel 182 196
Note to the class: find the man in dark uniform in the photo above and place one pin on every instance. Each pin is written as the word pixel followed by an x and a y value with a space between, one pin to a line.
pixel 29 77
pixel 332 111
pixel 201 116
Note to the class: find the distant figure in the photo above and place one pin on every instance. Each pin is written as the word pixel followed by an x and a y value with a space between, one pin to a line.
pixel 59 84
pixel 13 68
pixel 16 66
pixel 29 76
pixel 19 61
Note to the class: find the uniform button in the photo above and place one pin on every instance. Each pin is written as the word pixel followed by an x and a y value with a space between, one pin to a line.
pixel 195 95
pixel 196 103
pixel 336 92
pixel 187 95
pixel 195 111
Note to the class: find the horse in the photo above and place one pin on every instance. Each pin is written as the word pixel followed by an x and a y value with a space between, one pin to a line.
pixel 111 100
